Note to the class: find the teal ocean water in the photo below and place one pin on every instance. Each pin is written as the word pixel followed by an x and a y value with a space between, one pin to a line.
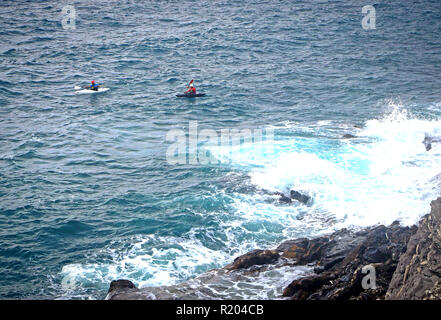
pixel 87 195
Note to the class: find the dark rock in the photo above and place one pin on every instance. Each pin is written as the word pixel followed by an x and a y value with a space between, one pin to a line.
pixel 299 197
pixel 304 251
pixel 121 284
pixel 121 289
pixel 418 274
pixel 428 140
pixel 286 199
pixel 282 198
pixel 340 259
pixel 349 136
pixel 302 288
pixel 253 258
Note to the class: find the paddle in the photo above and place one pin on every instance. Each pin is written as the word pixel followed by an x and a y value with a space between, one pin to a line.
pixel 188 86
pixel 87 87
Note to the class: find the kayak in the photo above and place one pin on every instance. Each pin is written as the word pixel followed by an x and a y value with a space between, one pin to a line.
pixel 90 90
pixel 190 95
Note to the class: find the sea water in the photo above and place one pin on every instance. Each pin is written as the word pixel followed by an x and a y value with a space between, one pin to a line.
pixel 87 195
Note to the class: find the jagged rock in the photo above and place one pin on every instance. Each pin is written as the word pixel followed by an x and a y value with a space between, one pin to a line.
pixel 122 289
pixel 418 274
pixel 325 252
pixel 284 198
pixel 304 287
pixel 339 275
pixel 120 284
pixel 299 197
pixel 253 258
pixel 288 199
pixel 304 251
pixel 428 140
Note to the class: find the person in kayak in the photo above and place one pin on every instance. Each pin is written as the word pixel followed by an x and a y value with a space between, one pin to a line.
pixel 191 89
pixel 94 86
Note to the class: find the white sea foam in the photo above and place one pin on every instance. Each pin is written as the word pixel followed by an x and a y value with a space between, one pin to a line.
pixel 148 261
pixel 383 176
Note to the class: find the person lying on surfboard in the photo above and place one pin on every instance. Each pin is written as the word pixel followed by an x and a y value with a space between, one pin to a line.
pixel 94 86
pixel 192 89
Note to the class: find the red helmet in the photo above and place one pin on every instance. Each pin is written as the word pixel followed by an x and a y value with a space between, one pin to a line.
pixel 93 81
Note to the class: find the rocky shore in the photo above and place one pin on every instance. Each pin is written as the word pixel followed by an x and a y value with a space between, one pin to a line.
pixel 380 262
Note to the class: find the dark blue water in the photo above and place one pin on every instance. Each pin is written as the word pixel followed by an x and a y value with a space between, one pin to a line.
pixel 86 193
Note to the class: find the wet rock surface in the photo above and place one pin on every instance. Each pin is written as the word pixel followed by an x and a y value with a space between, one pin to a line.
pixel 123 290
pixel 340 264
pixel 348 136
pixel 293 195
pixel 299 197
pixel 418 274
pixel 254 258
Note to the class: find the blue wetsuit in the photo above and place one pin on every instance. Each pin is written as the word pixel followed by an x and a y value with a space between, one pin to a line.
pixel 94 86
